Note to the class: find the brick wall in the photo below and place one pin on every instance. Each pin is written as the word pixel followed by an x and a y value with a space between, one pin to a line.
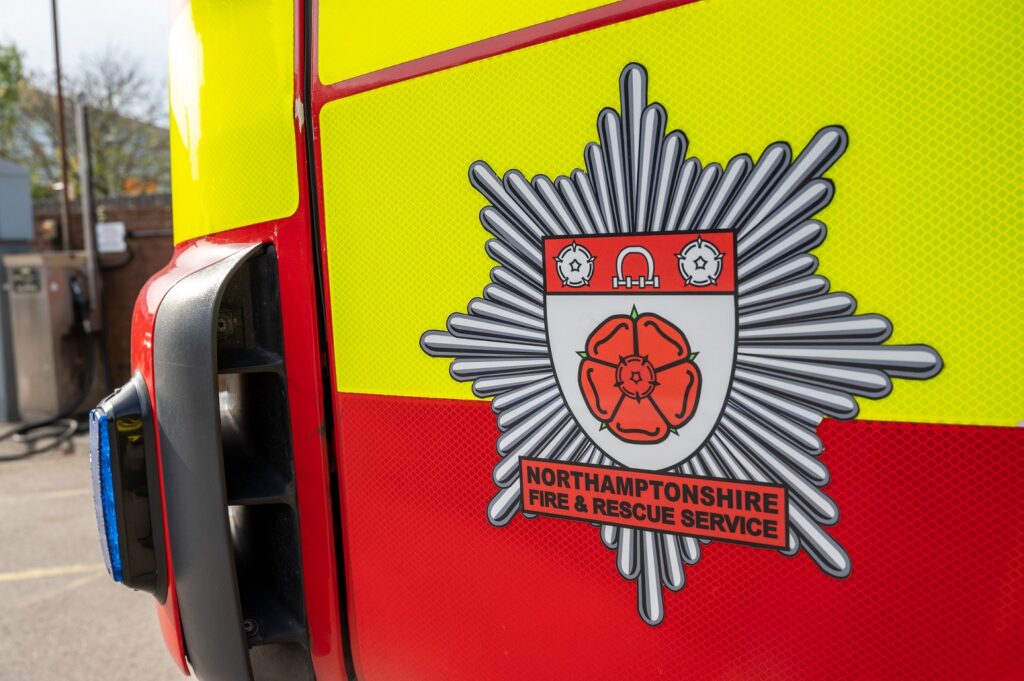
pixel 147 220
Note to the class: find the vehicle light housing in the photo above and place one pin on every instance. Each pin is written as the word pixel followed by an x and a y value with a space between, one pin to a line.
pixel 126 495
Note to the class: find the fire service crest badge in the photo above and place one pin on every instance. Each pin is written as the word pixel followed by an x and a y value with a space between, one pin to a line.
pixel 660 349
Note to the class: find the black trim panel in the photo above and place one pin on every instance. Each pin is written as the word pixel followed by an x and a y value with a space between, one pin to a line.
pixel 185 368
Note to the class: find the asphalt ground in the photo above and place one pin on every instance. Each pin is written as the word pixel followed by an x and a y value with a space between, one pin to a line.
pixel 61 616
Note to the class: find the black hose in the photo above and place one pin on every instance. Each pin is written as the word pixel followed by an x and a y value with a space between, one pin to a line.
pixel 55 430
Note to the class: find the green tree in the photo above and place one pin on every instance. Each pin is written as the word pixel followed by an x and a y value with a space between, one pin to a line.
pixel 12 76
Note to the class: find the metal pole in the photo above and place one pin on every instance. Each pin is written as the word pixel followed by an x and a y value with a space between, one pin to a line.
pixel 92 270
pixel 65 208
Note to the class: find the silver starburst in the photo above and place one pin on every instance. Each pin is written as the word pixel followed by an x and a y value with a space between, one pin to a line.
pixel 802 352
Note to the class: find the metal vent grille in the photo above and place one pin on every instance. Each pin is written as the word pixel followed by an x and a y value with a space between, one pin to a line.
pixel 259 472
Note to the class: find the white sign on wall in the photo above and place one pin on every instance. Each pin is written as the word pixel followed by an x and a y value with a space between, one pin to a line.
pixel 110 237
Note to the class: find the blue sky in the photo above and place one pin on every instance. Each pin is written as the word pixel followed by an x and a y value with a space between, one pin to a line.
pixel 136 27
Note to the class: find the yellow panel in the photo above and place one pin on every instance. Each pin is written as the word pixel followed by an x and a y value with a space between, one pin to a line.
pixel 924 228
pixel 358 37
pixel 233 157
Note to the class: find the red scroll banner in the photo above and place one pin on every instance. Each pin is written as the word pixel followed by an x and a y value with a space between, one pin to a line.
pixel 748 513
pixel 647 263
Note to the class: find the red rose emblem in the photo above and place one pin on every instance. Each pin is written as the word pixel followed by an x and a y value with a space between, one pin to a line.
pixel 638 377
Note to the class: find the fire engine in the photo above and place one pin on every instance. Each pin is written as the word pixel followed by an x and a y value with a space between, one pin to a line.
pixel 581 340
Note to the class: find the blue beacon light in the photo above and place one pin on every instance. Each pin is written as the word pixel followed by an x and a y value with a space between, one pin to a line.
pixel 103 491
pixel 125 489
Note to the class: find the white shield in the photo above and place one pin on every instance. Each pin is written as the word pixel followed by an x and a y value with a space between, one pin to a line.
pixel 642 334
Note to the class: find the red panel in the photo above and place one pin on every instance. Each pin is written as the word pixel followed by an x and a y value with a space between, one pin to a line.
pixel 143 321
pixel 932 519
pixel 609 258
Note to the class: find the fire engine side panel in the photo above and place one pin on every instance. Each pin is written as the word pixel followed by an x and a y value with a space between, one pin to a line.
pixel 396 162
pixel 928 479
